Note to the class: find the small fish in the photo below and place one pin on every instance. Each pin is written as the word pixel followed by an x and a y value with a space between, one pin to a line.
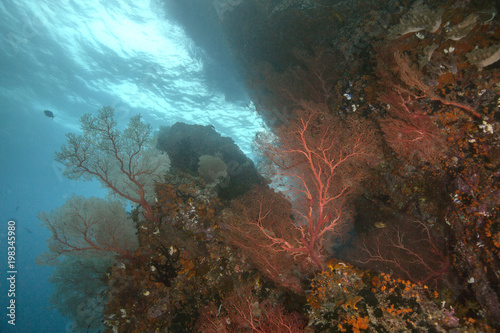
pixel 380 225
pixel 49 114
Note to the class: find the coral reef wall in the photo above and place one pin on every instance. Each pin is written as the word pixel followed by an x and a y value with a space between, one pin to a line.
pixel 374 202
pixel 427 75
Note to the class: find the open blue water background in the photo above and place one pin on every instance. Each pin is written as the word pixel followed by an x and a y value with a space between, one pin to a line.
pixel 73 57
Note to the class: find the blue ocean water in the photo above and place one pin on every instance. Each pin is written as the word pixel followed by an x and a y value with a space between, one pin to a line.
pixel 73 57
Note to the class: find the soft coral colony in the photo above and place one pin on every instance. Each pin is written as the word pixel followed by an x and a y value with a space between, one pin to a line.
pixel 383 142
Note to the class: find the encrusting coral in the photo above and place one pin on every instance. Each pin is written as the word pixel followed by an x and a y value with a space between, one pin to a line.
pixel 461 29
pixel 420 17
pixel 484 57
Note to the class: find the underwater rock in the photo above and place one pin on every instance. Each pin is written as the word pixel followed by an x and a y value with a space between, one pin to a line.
pixel 185 144
pixel 223 6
